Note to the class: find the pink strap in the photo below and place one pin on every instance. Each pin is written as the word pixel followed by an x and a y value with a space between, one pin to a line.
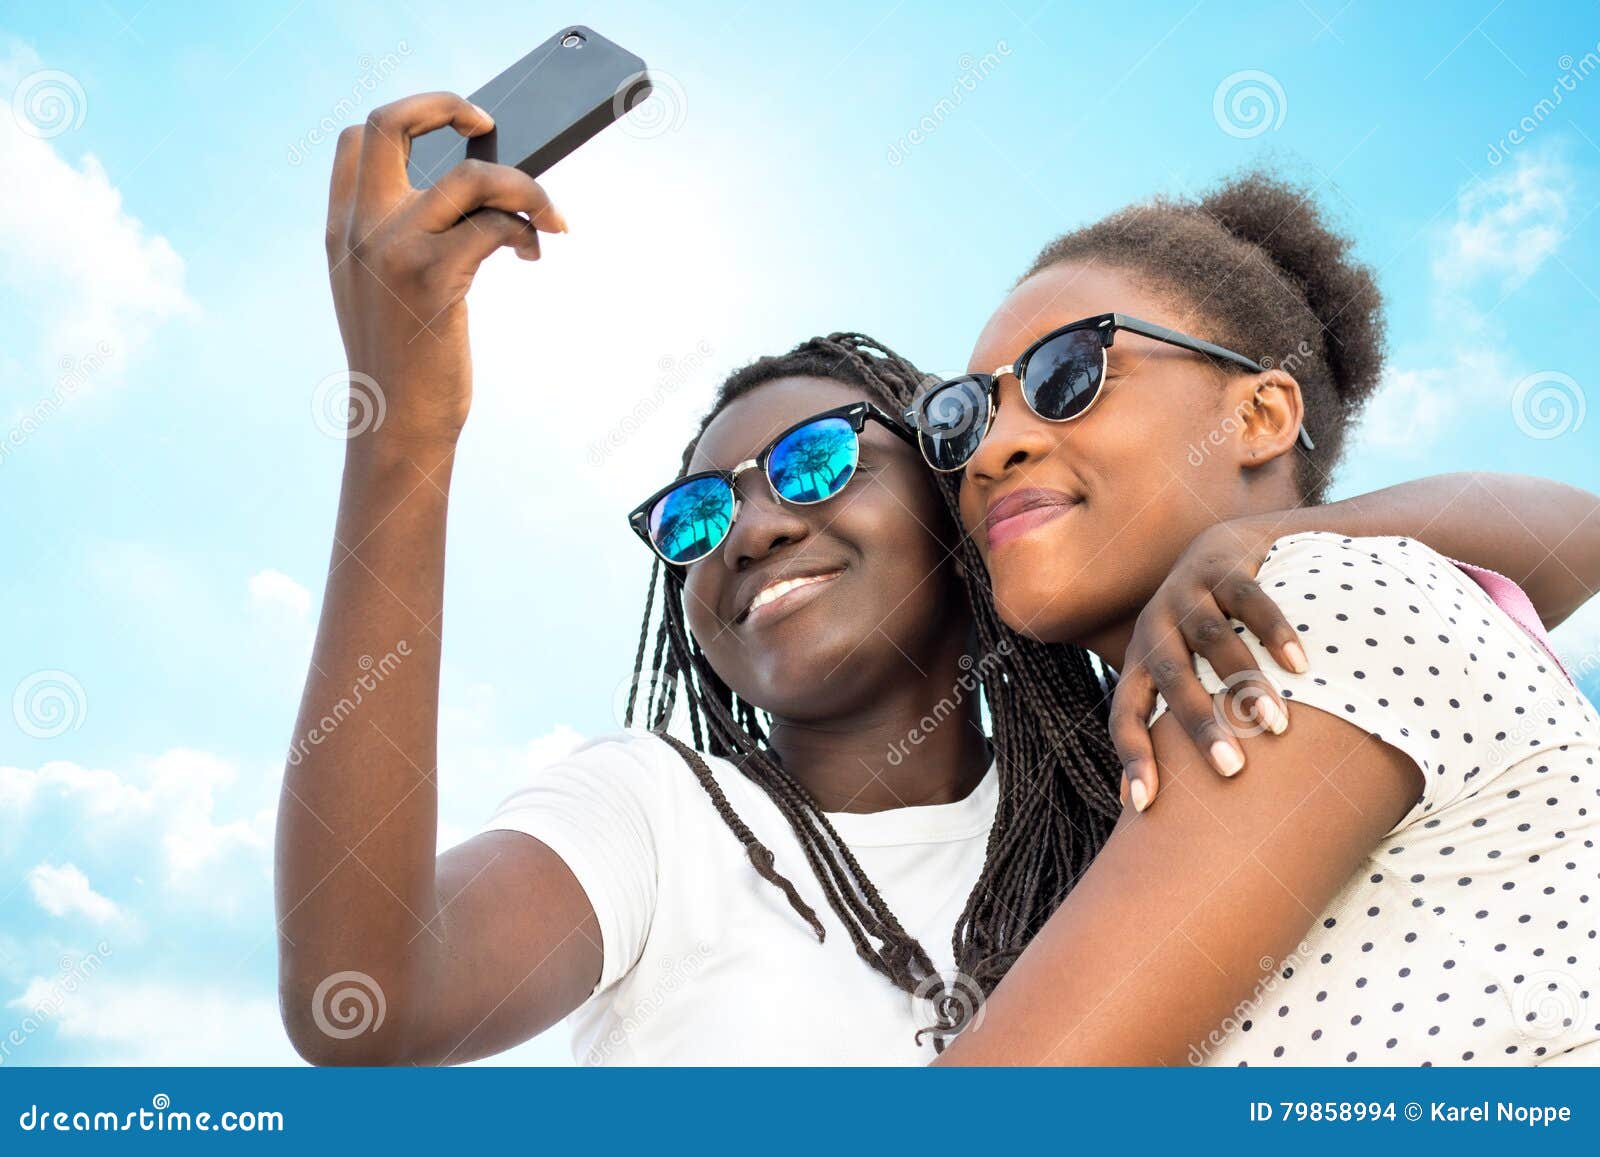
pixel 1513 600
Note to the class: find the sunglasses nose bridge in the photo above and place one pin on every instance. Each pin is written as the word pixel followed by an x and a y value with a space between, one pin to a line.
pixel 743 468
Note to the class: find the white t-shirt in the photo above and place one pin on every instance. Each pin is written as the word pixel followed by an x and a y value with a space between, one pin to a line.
pixel 1468 936
pixel 707 963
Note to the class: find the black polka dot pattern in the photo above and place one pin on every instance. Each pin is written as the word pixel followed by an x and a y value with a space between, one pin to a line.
pixel 1470 934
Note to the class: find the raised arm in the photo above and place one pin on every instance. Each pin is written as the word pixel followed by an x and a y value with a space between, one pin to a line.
pixel 488 944
pixel 1544 535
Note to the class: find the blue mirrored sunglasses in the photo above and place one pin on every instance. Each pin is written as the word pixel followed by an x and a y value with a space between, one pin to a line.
pixel 808 463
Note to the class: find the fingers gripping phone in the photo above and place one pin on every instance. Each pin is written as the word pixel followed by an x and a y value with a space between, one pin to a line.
pixel 544 106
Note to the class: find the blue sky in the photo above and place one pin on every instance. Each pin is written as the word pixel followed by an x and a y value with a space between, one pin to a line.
pixel 167 486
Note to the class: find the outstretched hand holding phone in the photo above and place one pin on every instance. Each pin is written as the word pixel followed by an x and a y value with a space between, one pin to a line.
pixel 364 900
pixel 401 259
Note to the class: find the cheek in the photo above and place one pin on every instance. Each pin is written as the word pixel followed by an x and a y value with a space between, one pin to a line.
pixel 700 593
pixel 912 526
pixel 1063 578
pixel 971 510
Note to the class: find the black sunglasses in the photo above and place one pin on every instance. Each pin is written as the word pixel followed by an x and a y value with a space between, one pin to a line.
pixel 1061 375
pixel 810 462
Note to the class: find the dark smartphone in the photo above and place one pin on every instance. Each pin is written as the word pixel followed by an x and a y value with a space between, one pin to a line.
pixel 544 106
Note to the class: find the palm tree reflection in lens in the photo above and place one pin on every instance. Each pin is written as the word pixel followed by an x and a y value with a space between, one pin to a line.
pixel 688 523
pixel 814 462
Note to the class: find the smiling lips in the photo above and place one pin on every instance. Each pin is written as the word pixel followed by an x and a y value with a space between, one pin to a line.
pixel 781 595
pixel 1021 511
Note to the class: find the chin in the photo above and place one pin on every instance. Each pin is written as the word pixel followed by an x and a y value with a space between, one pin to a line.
pixel 817 674
pixel 1032 602
pixel 1035 611
pixel 1032 599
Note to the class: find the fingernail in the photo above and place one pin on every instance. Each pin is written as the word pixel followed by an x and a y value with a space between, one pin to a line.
pixel 558 217
pixel 1296 657
pixel 483 112
pixel 1141 795
pixel 1228 760
pixel 1272 715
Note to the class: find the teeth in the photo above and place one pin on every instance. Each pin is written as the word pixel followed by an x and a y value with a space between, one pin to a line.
pixel 778 589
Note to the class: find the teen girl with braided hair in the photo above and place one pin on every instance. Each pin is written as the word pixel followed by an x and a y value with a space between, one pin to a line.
pixel 689 901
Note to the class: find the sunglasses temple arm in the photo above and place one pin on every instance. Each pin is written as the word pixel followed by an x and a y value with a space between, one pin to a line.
pixel 1172 337
pixel 1182 340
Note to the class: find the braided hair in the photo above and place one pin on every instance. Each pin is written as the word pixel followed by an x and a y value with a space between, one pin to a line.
pixel 1057 769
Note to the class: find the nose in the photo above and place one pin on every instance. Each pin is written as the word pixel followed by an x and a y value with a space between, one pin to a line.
pixel 763 525
pixel 1016 437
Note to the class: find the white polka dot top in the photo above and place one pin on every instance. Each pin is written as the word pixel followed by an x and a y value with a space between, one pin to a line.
pixel 1469 934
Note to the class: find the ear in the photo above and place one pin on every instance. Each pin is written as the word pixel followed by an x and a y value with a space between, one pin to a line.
pixel 1267 410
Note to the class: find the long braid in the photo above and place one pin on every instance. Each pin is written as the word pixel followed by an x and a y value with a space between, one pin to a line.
pixel 1058 773
pixel 850 893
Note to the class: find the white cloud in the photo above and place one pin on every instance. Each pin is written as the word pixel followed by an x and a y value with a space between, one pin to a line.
pixel 476 778
pixel 186 838
pixel 553 745
pixel 1414 406
pixel 1409 409
pixel 1508 225
pixel 155 1023
pixel 188 834
pixel 100 793
pixel 65 891
pixel 168 803
pixel 276 592
pixel 194 840
pixel 92 280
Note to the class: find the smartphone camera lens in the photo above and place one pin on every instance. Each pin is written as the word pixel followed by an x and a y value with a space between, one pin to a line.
pixel 572 40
